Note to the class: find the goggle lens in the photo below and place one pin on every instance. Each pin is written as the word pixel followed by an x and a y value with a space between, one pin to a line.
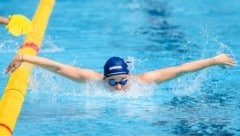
pixel 113 82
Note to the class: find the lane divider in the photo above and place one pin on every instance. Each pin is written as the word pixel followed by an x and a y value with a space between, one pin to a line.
pixel 32 45
pixel 7 127
pixel 16 88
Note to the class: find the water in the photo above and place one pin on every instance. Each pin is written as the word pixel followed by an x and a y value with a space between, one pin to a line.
pixel 151 34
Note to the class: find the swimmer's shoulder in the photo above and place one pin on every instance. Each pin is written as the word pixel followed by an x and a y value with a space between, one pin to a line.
pixel 138 77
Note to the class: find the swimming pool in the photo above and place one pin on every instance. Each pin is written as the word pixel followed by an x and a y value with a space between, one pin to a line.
pixel 151 34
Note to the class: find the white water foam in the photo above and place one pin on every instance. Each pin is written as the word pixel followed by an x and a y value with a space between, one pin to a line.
pixel 49 46
pixel 135 90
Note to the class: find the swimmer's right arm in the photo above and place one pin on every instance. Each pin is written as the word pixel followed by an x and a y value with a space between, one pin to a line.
pixel 3 20
pixel 70 72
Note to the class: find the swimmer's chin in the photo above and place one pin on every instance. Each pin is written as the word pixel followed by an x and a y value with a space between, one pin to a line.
pixel 122 90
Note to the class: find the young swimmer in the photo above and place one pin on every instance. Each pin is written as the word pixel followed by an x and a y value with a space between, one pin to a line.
pixel 116 74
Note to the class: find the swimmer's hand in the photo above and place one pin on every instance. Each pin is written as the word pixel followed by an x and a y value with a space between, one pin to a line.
pixel 224 59
pixel 15 64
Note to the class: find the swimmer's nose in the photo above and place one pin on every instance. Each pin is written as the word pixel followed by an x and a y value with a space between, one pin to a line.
pixel 118 87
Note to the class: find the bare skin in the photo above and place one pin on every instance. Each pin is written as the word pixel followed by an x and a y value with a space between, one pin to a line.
pixel 158 75
pixel 3 20
pixel 118 87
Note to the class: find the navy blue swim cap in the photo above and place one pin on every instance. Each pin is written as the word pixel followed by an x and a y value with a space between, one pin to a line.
pixel 115 66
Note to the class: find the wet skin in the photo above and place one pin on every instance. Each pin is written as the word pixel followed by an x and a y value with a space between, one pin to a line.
pixel 118 86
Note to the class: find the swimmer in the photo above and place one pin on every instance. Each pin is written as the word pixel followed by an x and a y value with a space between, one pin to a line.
pixel 116 74
pixel 17 24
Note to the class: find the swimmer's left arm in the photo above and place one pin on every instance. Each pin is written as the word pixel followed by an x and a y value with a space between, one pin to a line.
pixel 164 74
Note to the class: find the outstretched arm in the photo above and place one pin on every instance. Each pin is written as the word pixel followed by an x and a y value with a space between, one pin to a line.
pixel 3 20
pixel 164 74
pixel 71 72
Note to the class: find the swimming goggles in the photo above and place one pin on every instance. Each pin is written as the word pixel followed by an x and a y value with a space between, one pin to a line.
pixel 113 82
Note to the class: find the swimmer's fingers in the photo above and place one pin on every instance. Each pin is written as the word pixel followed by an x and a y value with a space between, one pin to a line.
pixel 7 69
pixel 224 59
pixel 15 64
pixel 10 68
pixel 230 61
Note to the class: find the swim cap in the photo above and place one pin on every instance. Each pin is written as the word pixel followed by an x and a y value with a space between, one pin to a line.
pixel 115 66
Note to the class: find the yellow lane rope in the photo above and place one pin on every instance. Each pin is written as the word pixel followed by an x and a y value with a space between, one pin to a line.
pixel 16 88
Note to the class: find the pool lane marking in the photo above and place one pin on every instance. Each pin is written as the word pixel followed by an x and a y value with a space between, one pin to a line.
pixel 7 127
pixel 32 45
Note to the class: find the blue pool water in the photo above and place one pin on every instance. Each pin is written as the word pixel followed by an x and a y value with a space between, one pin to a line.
pixel 151 34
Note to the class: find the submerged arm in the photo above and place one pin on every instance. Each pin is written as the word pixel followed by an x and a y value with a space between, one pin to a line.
pixel 71 72
pixel 161 75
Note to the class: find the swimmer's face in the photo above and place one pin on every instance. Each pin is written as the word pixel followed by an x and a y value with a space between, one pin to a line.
pixel 118 82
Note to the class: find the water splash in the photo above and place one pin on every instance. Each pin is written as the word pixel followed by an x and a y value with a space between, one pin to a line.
pixel 9 46
pixel 211 40
pixel 52 87
pixel 190 84
pixel 49 46
pixel 136 90
pixel 12 45
pixel 135 62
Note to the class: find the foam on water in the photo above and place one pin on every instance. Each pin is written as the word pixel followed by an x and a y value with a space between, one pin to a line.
pixel 9 46
pixel 43 82
pixel 98 89
pixel 49 46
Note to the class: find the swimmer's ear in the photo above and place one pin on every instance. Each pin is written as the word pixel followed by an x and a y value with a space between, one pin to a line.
pixel 19 25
